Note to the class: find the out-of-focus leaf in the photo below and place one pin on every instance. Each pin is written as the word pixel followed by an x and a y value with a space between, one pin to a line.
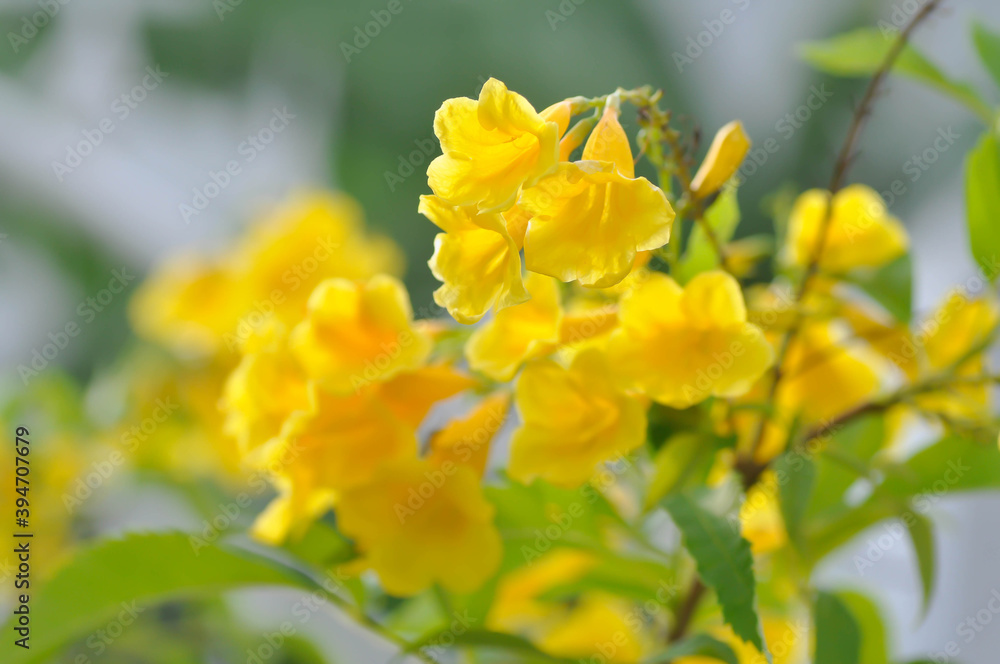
pixel 722 216
pixel 724 563
pixel 697 646
pixel 922 535
pixel 988 46
pixel 126 576
pixel 982 202
pixel 849 448
pixel 480 638
pixel 891 286
pixel 838 637
pixel 873 638
pixel 861 53
pixel 673 462
pixel 796 476
pixel 322 545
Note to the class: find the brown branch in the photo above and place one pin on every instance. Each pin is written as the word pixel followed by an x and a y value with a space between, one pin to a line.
pixel 687 610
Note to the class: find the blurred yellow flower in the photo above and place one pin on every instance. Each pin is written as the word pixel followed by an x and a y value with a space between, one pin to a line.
pixel 518 333
pixel 599 626
pixel 760 516
pixel 572 420
pixel 682 345
pixel 358 333
pixel 416 526
pixel 728 149
pixel 590 218
pixel 492 147
pixel 466 441
pixel 860 231
pixel 476 258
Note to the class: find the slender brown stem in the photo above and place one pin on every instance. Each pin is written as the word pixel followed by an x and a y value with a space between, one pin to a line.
pixel 687 610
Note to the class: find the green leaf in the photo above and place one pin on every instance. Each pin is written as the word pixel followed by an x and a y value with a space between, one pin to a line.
pixel 921 531
pixel 134 573
pixel 722 216
pixel 724 563
pixel 861 53
pixel 869 619
pixel 891 286
pixel 837 467
pixel 796 475
pixel 988 46
pixel 838 637
pixel 699 645
pixel 674 462
pixel 481 638
pixel 982 202
pixel 323 546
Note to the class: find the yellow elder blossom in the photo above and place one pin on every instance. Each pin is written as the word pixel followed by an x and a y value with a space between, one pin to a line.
pixel 860 231
pixel 760 516
pixel 358 333
pixel 492 147
pixel 590 218
pixel 728 149
pixel 476 258
pixel 416 526
pixel 682 345
pixel 573 420
pixel 466 441
pixel 518 333
pixel 600 625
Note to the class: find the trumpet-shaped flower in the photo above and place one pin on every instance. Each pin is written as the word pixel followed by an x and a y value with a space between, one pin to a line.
pixel 518 333
pixel 476 258
pixel 590 218
pixel 492 147
pixel 416 526
pixel 728 149
pixel 599 626
pixel 860 232
pixel 682 345
pixel 573 420
pixel 358 333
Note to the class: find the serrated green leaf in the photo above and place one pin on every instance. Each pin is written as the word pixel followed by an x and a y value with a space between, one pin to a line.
pixel 699 645
pixel 722 216
pixel 988 46
pixel 137 572
pixel 861 53
pixel 724 563
pixel 838 637
pixel 921 531
pixel 796 474
pixel 873 637
pixel 982 202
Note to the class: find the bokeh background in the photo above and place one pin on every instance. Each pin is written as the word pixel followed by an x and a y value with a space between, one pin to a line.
pixel 359 118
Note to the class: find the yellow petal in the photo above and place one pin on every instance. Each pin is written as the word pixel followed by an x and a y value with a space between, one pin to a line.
pixel 608 142
pixel 466 441
pixel 724 157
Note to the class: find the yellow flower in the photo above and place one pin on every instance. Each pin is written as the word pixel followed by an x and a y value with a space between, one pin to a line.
pixel 476 258
pixel 860 231
pixel 466 441
pixel 188 305
pixel 600 625
pixel 517 333
pixel 573 420
pixel 682 345
pixel 340 441
pixel 728 149
pixel 492 147
pixel 760 516
pixel 416 526
pixel 358 333
pixel 590 218
pixel 518 607
pixel 266 387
